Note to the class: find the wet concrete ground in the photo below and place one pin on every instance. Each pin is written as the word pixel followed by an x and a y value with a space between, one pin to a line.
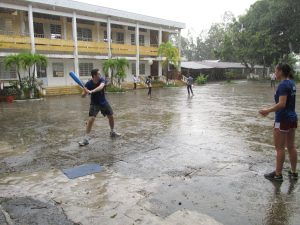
pixel 180 160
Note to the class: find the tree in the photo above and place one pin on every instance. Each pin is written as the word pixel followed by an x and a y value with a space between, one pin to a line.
pixel 170 54
pixel 109 65
pixel 120 66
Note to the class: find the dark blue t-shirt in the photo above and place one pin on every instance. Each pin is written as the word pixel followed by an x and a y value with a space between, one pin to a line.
pixel 97 98
pixel 286 88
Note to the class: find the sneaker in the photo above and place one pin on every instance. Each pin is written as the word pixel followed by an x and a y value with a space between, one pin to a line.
pixel 83 142
pixel 114 134
pixel 272 177
pixel 293 176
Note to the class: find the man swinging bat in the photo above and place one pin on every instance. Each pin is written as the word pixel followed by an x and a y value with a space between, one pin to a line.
pixel 95 87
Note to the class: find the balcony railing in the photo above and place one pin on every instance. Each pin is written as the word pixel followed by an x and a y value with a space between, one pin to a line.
pixel 11 40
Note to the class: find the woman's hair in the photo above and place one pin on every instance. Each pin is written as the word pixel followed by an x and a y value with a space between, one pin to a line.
pixel 286 70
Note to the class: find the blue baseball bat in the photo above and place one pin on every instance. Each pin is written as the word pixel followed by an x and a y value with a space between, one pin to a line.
pixel 76 79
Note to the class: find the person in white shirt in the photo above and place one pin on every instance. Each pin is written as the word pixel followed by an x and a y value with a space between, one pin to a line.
pixel 273 78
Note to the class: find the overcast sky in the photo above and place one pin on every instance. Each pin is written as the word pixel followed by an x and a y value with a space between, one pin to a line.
pixel 198 15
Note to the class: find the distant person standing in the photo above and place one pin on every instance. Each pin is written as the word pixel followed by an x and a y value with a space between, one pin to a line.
pixel 273 78
pixel 189 84
pixel 135 81
pixel 149 85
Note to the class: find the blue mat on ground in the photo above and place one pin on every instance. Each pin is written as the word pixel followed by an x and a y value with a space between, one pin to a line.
pixel 82 170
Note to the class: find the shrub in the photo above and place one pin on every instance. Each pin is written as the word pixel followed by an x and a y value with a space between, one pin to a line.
pixel 111 88
pixel 230 75
pixel 201 79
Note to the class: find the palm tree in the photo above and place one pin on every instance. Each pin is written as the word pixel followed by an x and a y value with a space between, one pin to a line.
pixel 109 65
pixel 170 53
pixel 121 64
pixel 12 61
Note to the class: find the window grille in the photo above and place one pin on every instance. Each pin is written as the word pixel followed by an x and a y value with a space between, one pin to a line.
pixel 131 28
pixel 132 38
pixel 58 69
pixel 85 69
pixel 133 69
pixel 142 40
pixel 45 16
pixel 120 38
pixel 38 30
pixel 84 34
pixel 55 30
pixel 6 26
pixel 142 30
pixel 142 69
pixel 41 71
pixel 9 74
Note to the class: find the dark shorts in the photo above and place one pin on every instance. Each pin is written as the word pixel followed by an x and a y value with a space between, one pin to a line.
pixel 286 125
pixel 106 110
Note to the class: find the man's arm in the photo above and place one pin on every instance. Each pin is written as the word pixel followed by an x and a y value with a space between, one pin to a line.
pixel 99 88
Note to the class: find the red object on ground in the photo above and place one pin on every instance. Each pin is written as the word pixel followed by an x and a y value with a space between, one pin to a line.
pixel 10 99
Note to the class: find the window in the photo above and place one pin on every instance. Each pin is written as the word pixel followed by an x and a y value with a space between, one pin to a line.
pixel 133 69
pixel 132 37
pixel 120 38
pixel 55 30
pixel 7 74
pixel 142 30
pixel 84 34
pixel 58 69
pixel 142 40
pixel 116 26
pixel 142 69
pixel 89 22
pixel 45 16
pixel 41 71
pixel 85 69
pixel 131 28
pixel 6 26
pixel 38 30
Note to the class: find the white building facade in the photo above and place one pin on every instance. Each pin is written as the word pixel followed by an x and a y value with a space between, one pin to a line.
pixel 78 37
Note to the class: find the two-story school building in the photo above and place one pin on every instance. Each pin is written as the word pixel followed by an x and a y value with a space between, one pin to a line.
pixel 78 37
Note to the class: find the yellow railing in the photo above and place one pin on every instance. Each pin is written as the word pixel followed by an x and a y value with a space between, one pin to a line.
pixel 149 51
pixel 60 45
pixel 120 49
pixel 14 42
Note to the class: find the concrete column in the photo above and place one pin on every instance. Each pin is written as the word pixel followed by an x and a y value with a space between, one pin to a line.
pixel 74 29
pixel 31 29
pixel 179 49
pixel 22 23
pixel 64 28
pixel 98 31
pixel 109 41
pixel 159 43
pixel 137 42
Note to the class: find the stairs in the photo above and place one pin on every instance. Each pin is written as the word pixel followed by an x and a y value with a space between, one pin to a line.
pixel 63 90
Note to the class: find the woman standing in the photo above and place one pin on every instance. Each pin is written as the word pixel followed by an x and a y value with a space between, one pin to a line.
pixel 285 122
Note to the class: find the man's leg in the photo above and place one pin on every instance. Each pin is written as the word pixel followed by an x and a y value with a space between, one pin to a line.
pixel 188 89
pixel 111 122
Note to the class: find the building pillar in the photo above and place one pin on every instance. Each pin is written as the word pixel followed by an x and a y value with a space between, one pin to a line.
pixel 179 50
pixel 31 28
pixel 137 42
pixel 22 23
pixel 159 62
pixel 74 29
pixel 98 31
pixel 65 27
pixel 109 37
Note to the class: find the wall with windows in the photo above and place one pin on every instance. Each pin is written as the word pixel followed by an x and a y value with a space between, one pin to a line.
pixel 144 70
